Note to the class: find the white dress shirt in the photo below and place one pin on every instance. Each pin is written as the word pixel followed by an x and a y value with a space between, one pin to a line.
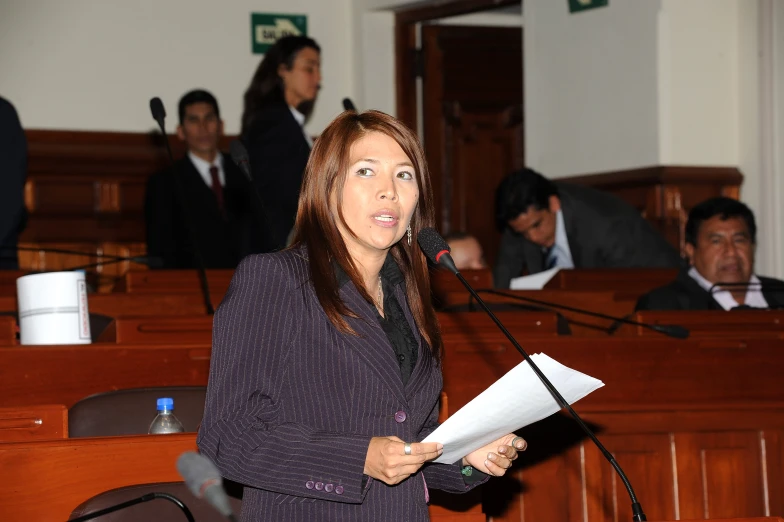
pixel 203 167
pixel 560 251
pixel 301 120
pixel 754 297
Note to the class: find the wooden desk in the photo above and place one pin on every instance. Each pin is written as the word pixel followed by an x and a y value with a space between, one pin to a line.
pixel 739 324
pixel 8 330
pixel 47 480
pixel 628 283
pixel 197 329
pixel 115 305
pixel 698 426
pixel 38 422
pixel 174 282
pixel 580 324
pixel 65 374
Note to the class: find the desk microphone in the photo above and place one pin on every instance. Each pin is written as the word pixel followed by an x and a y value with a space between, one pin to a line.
pixel 240 156
pixel 143 498
pixel 773 287
pixel 159 115
pixel 348 105
pixel 204 480
pixel 150 261
pixel 670 330
pixel 437 251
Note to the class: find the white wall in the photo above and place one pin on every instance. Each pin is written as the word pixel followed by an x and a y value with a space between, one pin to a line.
pixel 591 96
pixel 93 65
pixel 699 88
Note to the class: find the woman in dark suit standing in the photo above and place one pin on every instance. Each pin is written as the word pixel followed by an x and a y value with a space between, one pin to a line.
pixel 326 356
pixel 278 101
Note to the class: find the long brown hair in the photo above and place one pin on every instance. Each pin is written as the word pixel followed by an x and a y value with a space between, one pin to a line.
pixel 317 228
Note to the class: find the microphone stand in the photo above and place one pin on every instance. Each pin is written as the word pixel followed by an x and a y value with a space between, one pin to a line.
pixel 144 498
pixel 637 512
pixel 670 330
pixel 159 115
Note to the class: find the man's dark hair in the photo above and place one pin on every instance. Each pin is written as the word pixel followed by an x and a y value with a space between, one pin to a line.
pixel 726 208
pixel 519 191
pixel 266 86
pixel 197 96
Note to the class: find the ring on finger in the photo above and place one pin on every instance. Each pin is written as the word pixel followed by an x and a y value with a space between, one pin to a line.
pixel 514 440
pixel 407 448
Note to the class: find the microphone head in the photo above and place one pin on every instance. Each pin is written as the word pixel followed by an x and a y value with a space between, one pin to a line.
pixel 348 105
pixel 239 154
pixel 201 475
pixel 672 330
pixel 157 110
pixel 435 248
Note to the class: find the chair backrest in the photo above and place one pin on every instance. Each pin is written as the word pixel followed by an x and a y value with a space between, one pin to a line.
pixel 130 412
pixel 158 510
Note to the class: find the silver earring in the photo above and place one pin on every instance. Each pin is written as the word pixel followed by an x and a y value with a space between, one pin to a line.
pixel 408 231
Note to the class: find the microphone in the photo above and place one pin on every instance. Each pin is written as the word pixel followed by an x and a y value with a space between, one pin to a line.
pixel 159 115
pixel 670 330
pixel 348 105
pixel 204 480
pixel 143 498
pixel 437 251
pixel 239 154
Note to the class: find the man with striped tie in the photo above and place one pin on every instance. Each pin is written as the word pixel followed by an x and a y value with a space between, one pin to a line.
pixel 548 224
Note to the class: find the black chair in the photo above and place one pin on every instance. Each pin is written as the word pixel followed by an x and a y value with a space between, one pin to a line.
pixel 130 412
pixel 158 510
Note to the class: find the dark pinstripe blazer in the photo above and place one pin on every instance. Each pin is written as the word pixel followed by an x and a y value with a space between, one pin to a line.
pixel 292 403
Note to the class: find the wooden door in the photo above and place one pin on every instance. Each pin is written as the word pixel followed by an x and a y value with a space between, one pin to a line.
pixel 473 122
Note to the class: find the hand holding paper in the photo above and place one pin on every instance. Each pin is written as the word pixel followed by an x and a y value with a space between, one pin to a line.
pixel 516 400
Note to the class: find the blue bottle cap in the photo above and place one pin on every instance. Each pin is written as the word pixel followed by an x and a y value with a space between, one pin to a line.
pixel 165 404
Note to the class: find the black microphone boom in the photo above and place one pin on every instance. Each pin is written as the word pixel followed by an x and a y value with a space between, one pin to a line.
pixel 670 330
pixel 437 250
pixel 240 156
pixel 159 115
pixel 129 503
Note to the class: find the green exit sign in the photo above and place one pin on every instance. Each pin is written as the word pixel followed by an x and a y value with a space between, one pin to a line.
pixel 266 28
pixel 582 5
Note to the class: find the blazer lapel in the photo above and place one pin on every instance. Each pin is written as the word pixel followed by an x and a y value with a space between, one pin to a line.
pixel 372 344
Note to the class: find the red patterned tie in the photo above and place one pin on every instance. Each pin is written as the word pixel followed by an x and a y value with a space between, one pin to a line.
pixel 216 186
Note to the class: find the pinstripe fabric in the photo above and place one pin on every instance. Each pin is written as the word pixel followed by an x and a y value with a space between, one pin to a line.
pixel 292 402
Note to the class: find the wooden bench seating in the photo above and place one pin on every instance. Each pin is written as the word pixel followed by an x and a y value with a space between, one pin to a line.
pixel 7 330
pixel 174 282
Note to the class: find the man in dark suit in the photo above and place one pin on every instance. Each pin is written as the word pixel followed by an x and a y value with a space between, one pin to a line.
pixel 721 237
pixel 549 224
pixel 202 205
pixel 13 166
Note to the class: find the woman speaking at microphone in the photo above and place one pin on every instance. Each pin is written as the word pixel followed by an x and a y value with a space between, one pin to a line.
pixel 326 356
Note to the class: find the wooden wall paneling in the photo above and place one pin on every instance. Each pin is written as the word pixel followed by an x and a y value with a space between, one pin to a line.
pixel 720 474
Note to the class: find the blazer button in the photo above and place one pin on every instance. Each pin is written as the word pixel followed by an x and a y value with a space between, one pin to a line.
pixel 339 490
pixel 309 484
pixel 400 416
pixel 319 486
pixel 329 487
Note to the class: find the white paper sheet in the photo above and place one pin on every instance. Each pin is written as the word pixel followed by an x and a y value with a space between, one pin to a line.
pixel 515 400
pixel 534 281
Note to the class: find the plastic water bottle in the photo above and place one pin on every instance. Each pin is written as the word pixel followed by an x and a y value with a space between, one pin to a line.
pixel 165 421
